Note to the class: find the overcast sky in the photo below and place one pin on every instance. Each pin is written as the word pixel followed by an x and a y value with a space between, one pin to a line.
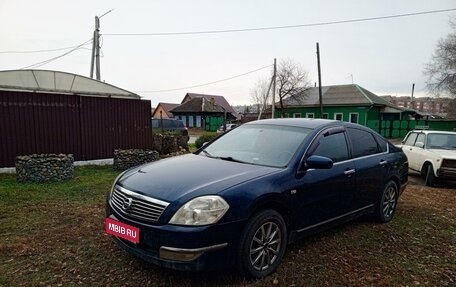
pixel 383 56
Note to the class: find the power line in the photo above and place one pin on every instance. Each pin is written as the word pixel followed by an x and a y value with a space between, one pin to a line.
pixel 281 27
pixel 39 51
pixel 206 84
pixel 39 64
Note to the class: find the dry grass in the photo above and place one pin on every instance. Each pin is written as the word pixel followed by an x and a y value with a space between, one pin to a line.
pixel 53 235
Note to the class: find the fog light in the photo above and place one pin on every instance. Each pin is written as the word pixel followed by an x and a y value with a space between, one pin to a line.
pixel 186 255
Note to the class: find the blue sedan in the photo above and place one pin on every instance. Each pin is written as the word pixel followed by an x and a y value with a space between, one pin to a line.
pixel 242 198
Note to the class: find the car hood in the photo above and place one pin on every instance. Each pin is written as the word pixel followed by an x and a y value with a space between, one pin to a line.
pixel 189 175
pixel 449 154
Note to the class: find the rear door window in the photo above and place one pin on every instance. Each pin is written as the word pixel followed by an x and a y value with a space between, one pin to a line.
pixel 382 143
pixel 411 139
pixel 363 142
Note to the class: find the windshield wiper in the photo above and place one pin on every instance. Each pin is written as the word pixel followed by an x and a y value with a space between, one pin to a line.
pixel 227 158
pixel 206 153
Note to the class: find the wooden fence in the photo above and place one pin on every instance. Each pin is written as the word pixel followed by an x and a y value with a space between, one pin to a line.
pixel 398 129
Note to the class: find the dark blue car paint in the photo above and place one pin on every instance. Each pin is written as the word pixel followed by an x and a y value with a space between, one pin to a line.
pixel 303 197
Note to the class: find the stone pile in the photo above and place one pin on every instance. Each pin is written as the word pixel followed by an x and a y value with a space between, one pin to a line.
pixel 126 158
pixel 167 144
pixel 44 167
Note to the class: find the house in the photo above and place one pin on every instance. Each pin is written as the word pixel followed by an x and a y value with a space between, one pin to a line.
pixel 218 100
pixel 163 111
pixel 204 111
pixel 351 103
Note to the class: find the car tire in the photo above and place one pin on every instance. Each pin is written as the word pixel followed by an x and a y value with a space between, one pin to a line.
pixel 386 207
pixel 430 176
pixel 262 244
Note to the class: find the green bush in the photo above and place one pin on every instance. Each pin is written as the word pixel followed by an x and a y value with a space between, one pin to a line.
pixel 205 137
pixel 167 133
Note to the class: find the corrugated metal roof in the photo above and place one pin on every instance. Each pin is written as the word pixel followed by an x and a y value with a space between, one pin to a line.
pixel 59 82
pixel 338 95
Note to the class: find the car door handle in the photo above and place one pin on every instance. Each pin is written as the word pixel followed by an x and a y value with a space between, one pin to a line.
pixel 349 172
pixel 383 162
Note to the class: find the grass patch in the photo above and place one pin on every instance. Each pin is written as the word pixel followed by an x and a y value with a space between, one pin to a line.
pixel 192 147
pixel 52 234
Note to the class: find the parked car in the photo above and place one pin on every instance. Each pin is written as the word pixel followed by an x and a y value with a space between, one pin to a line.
pixel 432 154
pixel 243 197
pixel 169 125
pixel 229 127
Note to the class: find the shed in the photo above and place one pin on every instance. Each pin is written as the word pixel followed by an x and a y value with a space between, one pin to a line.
pixel 44 111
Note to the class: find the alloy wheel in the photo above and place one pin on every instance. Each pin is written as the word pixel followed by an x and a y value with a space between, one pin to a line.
pixel 265 246
pixel 389 202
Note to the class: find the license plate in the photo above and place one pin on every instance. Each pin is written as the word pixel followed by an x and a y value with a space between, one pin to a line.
pixel 122 230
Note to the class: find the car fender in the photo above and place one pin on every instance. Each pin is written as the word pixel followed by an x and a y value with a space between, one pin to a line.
pixel 425 164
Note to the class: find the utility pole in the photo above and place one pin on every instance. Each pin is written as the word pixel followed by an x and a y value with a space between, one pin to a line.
pixel 274 88
pixel 94 44
pixel 96 50
pixel 320 96
pixel 95 61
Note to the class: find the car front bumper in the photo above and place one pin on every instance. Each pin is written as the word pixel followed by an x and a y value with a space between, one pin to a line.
pixel 446 173
pixel 186 248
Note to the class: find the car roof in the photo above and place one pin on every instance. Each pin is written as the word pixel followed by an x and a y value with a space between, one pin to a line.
pixel 433 132
pixel 300 122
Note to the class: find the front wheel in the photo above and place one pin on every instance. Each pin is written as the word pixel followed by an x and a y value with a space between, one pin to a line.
pixel 430 176
pixel 386 206
pixel 262 245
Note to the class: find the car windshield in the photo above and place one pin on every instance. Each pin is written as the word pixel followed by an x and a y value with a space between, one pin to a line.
pixel 441 141
pixel 269 145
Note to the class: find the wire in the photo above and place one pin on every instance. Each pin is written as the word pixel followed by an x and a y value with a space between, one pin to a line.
pixel 39 51
pixel 39 64
pixel 206 84
pixel 281 27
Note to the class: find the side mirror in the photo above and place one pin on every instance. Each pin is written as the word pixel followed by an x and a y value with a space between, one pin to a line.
pixel 319 162
pixel 419 144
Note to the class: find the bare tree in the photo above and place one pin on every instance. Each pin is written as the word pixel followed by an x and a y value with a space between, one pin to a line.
pixel 260 92
pixel 441 70
pixel 292 82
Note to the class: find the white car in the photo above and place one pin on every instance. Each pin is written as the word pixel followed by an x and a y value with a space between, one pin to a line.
pixel 222 129
pixel 432 154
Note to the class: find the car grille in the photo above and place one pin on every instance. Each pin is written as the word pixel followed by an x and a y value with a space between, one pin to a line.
pixel 449 163
pixel 135 205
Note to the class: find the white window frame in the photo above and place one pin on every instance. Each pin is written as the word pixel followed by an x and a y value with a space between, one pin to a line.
pixel 313 115
pixel 297 115
pixel 350 118
pixel 339 114
pixel 327 116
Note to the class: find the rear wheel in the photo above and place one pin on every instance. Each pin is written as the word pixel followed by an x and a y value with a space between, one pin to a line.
pixel 262 244
pixel 386 206
pixel 430 176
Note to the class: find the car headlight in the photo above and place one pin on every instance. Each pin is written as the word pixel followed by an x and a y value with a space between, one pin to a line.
pixel 202 210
